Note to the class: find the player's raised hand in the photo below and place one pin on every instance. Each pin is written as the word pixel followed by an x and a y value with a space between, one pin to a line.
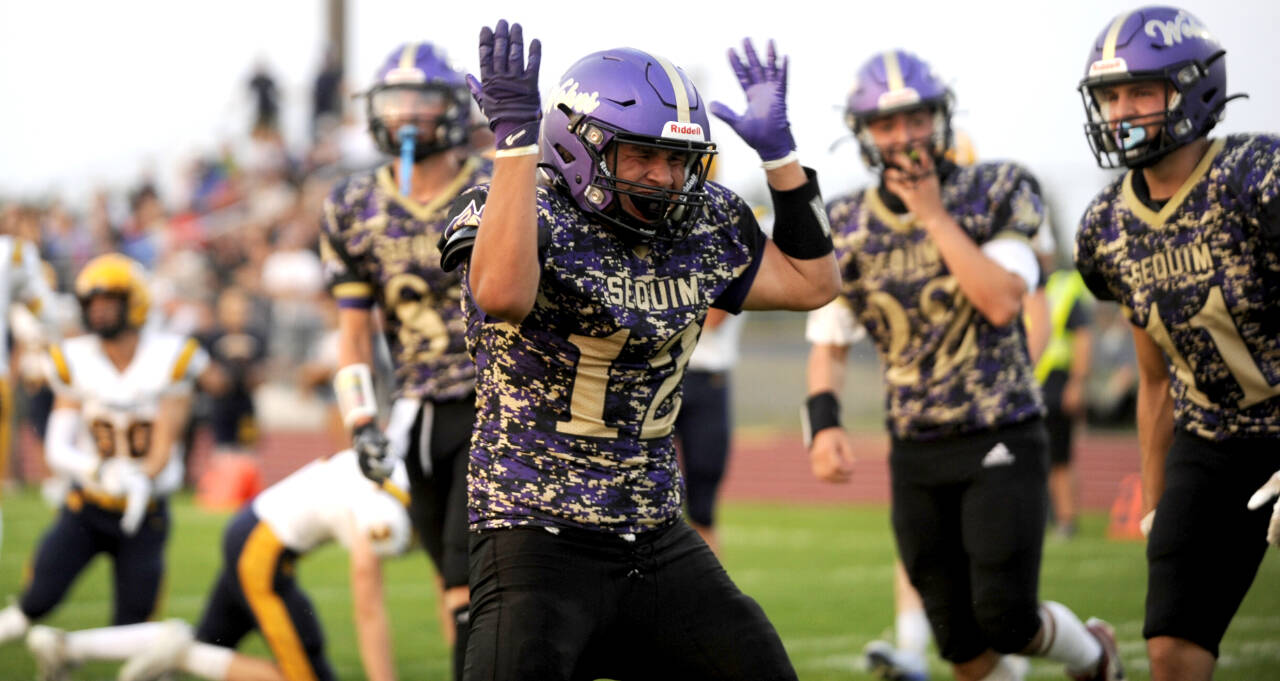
pixel 764 124
pixel 1269 491
pixel 831 455
pixel 507 90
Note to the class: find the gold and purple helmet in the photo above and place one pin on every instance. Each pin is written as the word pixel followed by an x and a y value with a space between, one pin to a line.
pixel 1163 44
pixel 894 81
pixel 416 86
pixel 627 96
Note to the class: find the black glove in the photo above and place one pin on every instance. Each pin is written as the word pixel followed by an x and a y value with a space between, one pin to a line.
pixel 372 451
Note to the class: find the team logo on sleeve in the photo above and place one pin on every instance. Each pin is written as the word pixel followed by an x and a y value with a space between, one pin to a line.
pixel 469 216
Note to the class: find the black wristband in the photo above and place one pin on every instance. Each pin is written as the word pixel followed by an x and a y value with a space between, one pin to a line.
pixel 800 226
pixel 821 411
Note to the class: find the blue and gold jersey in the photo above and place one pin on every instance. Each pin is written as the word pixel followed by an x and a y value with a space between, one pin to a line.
pixel 1203 281
pixel 947 370
pixel 575 406
pixel 379 246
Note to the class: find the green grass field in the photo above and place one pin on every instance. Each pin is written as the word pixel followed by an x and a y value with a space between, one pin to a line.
pixel 822 573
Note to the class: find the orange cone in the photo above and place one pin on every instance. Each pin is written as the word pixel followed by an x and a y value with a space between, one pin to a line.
pixel 1126 510
pixel 229 482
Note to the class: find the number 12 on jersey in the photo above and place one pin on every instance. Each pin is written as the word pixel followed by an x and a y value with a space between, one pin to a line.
pixel 597 358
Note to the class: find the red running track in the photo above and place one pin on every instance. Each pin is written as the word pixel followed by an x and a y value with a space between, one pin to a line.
pixel 762 467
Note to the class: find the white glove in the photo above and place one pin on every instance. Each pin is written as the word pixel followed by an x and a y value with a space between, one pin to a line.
pixel 1266 493
pixel 112 475
pixel 1147 521
pixel 137 493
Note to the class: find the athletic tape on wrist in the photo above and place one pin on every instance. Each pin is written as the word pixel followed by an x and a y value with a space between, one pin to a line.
pixel 776 163
pixel 353 386
pixel 516 151
pixel 821 411
pixel 800 228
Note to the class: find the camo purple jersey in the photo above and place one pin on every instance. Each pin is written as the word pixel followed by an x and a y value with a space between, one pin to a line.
pixel 1202 277
pixel 379 246
pixel 947 370
pixel 575 406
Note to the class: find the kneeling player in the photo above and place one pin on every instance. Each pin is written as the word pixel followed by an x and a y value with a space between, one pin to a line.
pixel 325 500
pixel 123 395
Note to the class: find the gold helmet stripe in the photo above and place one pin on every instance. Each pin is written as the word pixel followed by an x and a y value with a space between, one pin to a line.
pixel 677 85
pixel 406 57
pixel 1113 34
pixel 893 71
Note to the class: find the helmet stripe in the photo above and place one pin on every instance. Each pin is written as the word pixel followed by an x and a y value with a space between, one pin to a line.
pixel 677 86
pixel 1113 34
pixel 407 57
pixel 893 71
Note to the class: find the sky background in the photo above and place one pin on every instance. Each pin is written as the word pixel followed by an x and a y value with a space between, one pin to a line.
pixel 96 92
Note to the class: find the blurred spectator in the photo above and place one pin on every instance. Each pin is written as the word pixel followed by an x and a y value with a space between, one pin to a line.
pixel 143 236
pixel 326 94
pixel 266 98
pixel 291 276
pixel 241 352
pixel 1113 386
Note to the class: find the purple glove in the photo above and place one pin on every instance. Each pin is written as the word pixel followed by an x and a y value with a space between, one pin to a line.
pixel 507 92
pixel 764 124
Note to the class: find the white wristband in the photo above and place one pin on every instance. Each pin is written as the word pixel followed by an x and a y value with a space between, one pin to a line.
pixel 516 151
pixel 353 386
pixel 791 157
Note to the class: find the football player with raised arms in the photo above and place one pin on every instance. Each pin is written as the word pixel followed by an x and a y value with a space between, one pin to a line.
pixel 1187 241
pixel 584 299
pixel 123 394
pixel 935 261
pixel 379 249
pixel 325 500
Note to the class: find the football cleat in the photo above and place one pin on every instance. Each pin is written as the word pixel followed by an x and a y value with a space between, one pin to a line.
pixel 1110 667
pixel 162 657
pixel 883 661
pixel 49 648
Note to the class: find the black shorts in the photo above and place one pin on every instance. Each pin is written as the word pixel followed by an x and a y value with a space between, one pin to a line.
pixel 1059 425
pixel 968 516
pixel 256 590
pixel 587 605
pixel 702 430
pixel 438 490
pixel 1206 545
pixel 82 531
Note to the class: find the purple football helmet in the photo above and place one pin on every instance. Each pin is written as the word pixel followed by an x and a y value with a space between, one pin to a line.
pixel 627 96
pixel 416 86
pixel 1163 44
pixel 895 81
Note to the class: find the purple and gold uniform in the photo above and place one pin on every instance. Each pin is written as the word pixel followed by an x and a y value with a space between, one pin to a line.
pixel 948 370
pixel 1200 278
pixel 380 247
pixel 1200 275
pixel 576 405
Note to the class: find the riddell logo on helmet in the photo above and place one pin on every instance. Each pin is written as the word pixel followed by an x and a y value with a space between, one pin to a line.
pixel 894 98
pixel 410 74
pixel 1105 66
pixel 683 131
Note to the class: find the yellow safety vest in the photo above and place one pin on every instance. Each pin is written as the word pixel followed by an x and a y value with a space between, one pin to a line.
pixel 1062 291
